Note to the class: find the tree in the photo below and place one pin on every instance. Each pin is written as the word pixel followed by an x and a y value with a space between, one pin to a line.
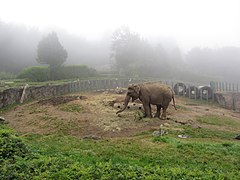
pixel 51 52
pixel 134 56
pixel 125 48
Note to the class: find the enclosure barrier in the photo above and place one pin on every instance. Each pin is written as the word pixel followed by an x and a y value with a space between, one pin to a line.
pixel 193 91
pixel 225 87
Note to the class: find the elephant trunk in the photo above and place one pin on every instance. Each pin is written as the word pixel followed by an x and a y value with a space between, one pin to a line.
pixel 126 101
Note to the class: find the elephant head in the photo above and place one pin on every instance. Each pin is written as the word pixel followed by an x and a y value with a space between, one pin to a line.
pixel 133 92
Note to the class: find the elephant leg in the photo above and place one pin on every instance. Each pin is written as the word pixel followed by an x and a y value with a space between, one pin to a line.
pixel 157 115
pixel 164 114
pixel 147 109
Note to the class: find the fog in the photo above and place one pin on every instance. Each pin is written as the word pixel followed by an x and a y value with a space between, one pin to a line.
pixel 180 40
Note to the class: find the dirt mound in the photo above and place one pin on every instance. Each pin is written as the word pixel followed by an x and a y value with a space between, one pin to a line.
pixel 95 116
pixel 60 100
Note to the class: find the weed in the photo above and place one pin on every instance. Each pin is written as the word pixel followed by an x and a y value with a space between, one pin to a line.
pixel 218 120
pixel 71 108
pixel 207 133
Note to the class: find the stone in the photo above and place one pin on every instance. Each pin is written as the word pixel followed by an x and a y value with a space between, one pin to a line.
pixel 182 136
pixel 2 119
pixel 228 100
pixel 156 133
pixel 238 137
pixel 93 137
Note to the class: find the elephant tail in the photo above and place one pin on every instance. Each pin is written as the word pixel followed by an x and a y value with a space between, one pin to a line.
pixel 174 102
pixel 173 99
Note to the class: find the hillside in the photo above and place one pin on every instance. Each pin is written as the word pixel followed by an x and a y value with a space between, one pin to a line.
pixel 80 136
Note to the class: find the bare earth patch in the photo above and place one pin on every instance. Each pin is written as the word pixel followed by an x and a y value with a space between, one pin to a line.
pixel 94 115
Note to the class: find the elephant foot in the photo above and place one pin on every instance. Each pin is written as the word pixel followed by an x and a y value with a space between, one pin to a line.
pixel 157 117
pixel 163 118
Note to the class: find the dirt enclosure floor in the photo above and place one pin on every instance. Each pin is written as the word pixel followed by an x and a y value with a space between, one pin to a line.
pixel 93 115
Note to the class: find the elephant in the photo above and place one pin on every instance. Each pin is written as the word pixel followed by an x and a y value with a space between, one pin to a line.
pixel 154 93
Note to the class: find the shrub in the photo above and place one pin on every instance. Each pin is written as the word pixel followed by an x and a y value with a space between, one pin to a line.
pixel 11 145
pixel 42 73
pixel 36 73
pixel 77 71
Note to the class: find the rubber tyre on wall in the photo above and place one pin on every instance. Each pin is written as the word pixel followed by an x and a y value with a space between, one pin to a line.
pixel 179 89
pixel 206 92
pixel 192 92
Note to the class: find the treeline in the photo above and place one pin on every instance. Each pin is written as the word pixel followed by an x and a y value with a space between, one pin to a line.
pixel 135 56
pixel 123 52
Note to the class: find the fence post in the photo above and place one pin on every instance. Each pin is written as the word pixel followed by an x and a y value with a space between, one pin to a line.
pixel 207 95
pixel 172 84
pixel 177 89
pixel 200 94
pixel 189 92
pixel 195 90
pixel 234 101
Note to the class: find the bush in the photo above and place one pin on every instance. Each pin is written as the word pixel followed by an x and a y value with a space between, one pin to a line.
pixel 7 75
pixel 11 145
pixel 79 71
pixel 36 73
pixel 41 73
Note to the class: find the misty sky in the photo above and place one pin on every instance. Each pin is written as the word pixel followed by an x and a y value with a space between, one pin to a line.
pixel 212 23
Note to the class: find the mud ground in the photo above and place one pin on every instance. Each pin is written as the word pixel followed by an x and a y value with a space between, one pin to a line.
pixel 93 115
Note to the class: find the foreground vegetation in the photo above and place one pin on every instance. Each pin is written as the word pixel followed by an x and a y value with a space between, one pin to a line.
pixel 206 154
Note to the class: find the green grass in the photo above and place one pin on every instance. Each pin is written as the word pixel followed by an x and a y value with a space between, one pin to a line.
pixel 165 156
pixel 218 120
pixel 208 133
pixel 206 154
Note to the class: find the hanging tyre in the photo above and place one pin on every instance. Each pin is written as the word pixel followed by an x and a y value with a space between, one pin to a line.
pixel 205 92
pixel 179 89
pixel 192 92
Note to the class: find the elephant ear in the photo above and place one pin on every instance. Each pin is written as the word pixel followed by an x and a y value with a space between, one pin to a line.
pixel 136 88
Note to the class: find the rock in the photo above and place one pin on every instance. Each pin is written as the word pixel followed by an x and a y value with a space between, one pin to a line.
pixel 156 133
pixel 93 137
pixel 183 136
pixel 2 119
pixel 238 137
pixel 228 100
pixel 119 90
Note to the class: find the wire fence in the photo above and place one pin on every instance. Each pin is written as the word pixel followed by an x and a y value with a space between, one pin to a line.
pixel 186 89
pixel 225 87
